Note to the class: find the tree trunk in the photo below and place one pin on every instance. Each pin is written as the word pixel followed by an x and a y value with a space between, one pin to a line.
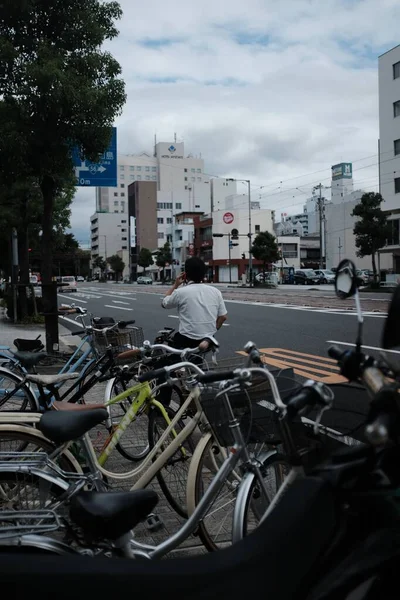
pixel 23 256
pixel 374 266
pixel 49 288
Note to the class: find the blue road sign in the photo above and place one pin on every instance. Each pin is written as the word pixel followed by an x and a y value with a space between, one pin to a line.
pixel 100 174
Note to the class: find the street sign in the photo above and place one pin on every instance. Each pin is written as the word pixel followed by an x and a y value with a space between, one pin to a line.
pixel 228 218
pixel 101 174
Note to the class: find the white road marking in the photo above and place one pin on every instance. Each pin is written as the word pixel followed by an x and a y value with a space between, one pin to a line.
pixel 119 302
pixel 119 307
pixel 350 312
pixel 75 299
pixel 173 316
pixel 366 347
pixel 71 321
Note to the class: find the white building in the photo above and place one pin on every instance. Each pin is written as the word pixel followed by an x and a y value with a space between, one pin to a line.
pixel 110 235
pixel 221 189
pixel 389 135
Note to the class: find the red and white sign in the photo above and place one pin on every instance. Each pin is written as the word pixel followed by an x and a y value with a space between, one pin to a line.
pixel 228 218
pixel 191 249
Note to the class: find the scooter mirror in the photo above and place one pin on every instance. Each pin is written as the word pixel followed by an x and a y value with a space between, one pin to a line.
pixel 346 279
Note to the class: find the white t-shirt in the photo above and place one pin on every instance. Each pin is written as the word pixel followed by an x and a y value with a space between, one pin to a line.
pixel 199 305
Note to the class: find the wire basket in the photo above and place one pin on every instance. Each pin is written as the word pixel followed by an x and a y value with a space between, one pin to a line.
pixel 119 339
pixel 254 407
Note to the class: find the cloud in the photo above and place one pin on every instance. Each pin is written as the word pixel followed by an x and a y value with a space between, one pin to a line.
pixel 263 90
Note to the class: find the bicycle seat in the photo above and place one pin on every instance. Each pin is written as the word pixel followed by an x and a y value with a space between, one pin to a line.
pixel 68 406
pixel 60 426
pixel 212 342
pixel 29 359
pixel 110 515
pixel 49 380
pixel 128 354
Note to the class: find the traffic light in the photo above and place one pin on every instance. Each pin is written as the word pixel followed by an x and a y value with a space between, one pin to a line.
pixel 235 234
pixel 243 256
pixel 218 235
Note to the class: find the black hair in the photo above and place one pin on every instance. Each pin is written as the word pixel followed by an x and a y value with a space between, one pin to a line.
pixel 195 269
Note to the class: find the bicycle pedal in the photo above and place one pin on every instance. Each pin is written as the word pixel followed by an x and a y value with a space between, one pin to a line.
pixel 154 523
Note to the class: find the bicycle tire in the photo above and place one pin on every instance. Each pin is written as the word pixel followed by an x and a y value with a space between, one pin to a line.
pixel 176 497
pixel 26 400
pixel 280 465
pixel 134 444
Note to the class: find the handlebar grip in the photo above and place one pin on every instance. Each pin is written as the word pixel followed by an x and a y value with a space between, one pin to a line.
pixel 255 356
pixel 378 432
pixel 307 396
pixel 80 332
pixel 213 376
pixel 154 374
pixel 335 352
pixel 124 324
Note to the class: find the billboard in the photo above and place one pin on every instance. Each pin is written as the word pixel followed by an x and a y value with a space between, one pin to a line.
pixel 100 174
pixel 342 171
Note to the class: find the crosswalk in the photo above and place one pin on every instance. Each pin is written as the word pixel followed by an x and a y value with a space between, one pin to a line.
pixel 331 311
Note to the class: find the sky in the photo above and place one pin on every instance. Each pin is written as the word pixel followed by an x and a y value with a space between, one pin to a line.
pixel 267 91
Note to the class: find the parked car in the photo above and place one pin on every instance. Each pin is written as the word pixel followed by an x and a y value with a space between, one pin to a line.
pixel 33 280
pixel 306 277
pixel 80 278
pixel 326 275
pixel 363 277
pixel 144 280
pixel 68 283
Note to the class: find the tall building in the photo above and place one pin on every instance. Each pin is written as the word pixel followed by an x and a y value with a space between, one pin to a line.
pixel 389 155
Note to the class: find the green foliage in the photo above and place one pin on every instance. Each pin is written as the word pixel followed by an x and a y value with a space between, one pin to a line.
pixel 371 230
pixel 99 263
pixel 164 256
pixel 117 264
pixel 145 258
pixel 265 248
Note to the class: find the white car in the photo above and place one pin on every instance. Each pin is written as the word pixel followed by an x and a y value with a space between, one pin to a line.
pixel 68 283
pixel 80 278
pixel 326 275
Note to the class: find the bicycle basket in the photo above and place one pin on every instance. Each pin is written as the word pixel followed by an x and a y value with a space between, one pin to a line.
pixel 119 339
pixel 254 408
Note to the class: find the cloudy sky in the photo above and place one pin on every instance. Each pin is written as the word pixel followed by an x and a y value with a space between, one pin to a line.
pixel 274 92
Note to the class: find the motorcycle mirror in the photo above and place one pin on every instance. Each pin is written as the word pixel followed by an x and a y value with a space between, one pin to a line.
pixel 345 279
pixel 391 330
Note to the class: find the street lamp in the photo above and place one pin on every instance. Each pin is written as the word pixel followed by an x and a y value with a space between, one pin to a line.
pixel 250 231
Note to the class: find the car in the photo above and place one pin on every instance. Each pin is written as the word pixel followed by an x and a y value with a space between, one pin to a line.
pixel 144 280
pixel 363 277
pixel 306 277
pixel 326 275
pixel 80 278
pixel 68 283
pixel 33 280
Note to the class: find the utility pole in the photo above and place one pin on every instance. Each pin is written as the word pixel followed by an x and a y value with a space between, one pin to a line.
pixel 339 248
pixel 250 234
pixel 15 271
pixel 320 208
pixel 229 258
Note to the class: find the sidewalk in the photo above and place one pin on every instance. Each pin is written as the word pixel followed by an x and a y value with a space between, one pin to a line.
pixel 9 332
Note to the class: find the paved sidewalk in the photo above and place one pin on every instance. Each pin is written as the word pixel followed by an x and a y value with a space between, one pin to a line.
pixel 9 332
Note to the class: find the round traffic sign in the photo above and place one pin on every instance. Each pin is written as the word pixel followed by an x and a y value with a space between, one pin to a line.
pixel 228 218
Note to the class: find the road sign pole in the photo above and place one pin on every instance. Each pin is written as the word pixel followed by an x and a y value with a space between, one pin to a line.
pixel 229 254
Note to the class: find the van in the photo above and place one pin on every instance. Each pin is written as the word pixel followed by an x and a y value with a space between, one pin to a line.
pixel 68 283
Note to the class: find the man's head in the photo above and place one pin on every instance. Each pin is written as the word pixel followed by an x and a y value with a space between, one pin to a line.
pixel 195 269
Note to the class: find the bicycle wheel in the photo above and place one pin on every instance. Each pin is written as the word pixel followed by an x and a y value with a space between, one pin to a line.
pixel 274 470
pixel 172 478
pixel 216 528
pixel 134 444
pixel 12 399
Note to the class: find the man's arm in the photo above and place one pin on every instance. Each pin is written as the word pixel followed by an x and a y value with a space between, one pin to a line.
pixel 221 320
pixel 168 302
pixel 222 313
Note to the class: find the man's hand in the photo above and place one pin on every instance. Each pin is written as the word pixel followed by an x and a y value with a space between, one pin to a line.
pixel 179 280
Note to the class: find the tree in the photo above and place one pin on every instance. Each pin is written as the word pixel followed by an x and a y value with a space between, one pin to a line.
pixel 58 90
pixel 265 248
pixel 117 264
pixel 372 230
pixel 100 263
pixel 145 259
pixel 164 257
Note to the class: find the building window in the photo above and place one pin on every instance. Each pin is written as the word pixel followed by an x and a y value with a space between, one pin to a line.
pixel 122 185
pixel 160 220
pixel 197 206
pixel 147 177
pixel 123 230
pixel 124 247
pixel 199 170
pixel 397 185
pixel 138 168
pixel 164 205
pixel 186 187
pixel 257 229
pixel 122 194
pixel 185 170
pixel 115 194
pixel 122 167
pixel 122 206
pixel 154 178
pixel 178 206
pixel 123 221
pixel 199 179
pixel 154 169
pixel 396 147
pixel 132 177
pixel 193 170
pixel 169 220
pixel 160 235
pixel 396 108
pixel 131 168
pixel 124 239
pixel 393 236
pixel 138 178
pixel 116 211
pixel 186 178
pixel 115 202
pixel 396 70
pixel 147 168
